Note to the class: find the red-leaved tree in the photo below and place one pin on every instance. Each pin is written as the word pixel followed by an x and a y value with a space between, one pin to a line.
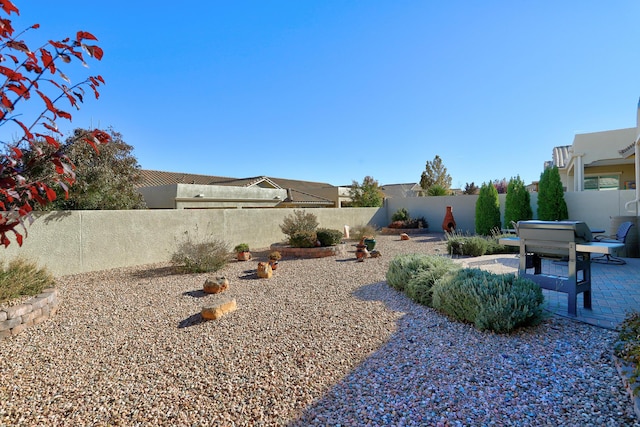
pixel 27 75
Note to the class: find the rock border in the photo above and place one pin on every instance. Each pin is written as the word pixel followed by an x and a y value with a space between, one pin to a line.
pixel 18 318
pixel 319 252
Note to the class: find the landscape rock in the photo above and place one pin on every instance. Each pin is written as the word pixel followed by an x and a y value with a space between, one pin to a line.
pixel 214 312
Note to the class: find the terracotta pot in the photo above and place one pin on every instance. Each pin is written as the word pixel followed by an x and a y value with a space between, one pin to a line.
pixel 361 251
pixel 273 264
pixel 244 256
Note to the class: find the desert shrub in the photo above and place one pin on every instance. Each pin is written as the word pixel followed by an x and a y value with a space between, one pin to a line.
pixel 361 231
pixel 403 268
pixel 454 294
pixel 400 215
pixel 397 224
pixel 299 221
pixel 487 210
pixel 22 277
pixel 475 246
pixel 437 190
pixel 419 285
pixel 303 239
pixel 495 302
pixel 461 244
pixel 202 257
pixel 241 247
pixel 627 346
pixel 328 237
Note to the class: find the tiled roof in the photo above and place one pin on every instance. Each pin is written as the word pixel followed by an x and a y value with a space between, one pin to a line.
pixel 299 192
pixel 628 150
pixel 151 178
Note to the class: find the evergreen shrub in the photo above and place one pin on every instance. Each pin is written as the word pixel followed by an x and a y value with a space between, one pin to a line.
pixel 419 285
pixel 303 239
pixel 487 210
pixel 499 303
pixel 328 237
pixel 404 268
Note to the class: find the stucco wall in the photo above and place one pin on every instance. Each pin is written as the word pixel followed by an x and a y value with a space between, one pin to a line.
pixel 79 241
pixel 594 207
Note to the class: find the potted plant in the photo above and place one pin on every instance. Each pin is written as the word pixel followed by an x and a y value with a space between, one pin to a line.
pixel 274 257
pixel 242 251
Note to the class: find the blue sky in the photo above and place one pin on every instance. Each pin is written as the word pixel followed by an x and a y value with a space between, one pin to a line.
pixel 333 91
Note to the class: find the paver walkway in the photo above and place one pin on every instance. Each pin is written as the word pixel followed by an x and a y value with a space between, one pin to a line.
pixel 615 289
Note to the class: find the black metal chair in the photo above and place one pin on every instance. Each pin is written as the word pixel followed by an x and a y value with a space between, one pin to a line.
pixel 620 237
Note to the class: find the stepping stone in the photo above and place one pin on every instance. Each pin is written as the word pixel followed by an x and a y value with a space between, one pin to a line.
pixel 214 312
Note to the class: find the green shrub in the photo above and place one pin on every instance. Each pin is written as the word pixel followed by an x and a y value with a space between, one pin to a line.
pixel 201 257
pixel 403 268
pixel 23 278
pixel 627 346
pixel 299 221
pixel 400 215
pixel 454 296
pixel 328 237
pixel 361 231
pixel 487 210
pixel 242 247
pixel 437 190
pixel 495 302
pixel 303 239
pixel 419 286
pixel 460 244
pixel 551 203
pixel 517 204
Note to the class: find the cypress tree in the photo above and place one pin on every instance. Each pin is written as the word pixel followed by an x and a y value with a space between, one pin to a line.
pixel 551 203
pixel 487 209
pixel 517 206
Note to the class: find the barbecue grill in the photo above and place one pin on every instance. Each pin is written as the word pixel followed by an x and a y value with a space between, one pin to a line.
pixel 557 239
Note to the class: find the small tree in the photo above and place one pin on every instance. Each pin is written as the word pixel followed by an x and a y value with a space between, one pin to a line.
pixel 551 203
pixel 25 72
pixel 470 188
pixel 517 205
pixel 437 190
pixel 435 174
pixel 487 209
pixel 367 194
pixel 103 181
pixel 501 185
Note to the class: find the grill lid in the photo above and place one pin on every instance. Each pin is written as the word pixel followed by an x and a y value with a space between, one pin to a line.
pixel 566 231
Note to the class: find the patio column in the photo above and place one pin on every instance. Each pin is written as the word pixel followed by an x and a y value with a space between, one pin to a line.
pixel 578 173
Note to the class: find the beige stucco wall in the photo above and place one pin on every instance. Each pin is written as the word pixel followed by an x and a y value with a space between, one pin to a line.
pixel 80 241
pixel 602 145
pixel 594 207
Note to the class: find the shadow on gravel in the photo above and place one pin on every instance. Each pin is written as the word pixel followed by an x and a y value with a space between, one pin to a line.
pixel 198 293
pixel 156 272
pixel 192 320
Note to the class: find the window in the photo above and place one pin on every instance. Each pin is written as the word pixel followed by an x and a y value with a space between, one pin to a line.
pixel 602 182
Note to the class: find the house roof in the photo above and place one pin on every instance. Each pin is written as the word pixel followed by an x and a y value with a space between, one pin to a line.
pixel 401 190
pixel 299 192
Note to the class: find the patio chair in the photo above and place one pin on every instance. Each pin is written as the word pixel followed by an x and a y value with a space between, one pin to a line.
pixel 620 237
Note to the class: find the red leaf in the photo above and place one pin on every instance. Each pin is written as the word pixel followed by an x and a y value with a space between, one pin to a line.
pixel 4 240
pixel 94 51
pixel 83 35
pixel 47 102
pixel 47 60
pixel 51 195
pixel 9 7
pixel 52 128
pixel 63 114
pixel 17 152
pixel 18 237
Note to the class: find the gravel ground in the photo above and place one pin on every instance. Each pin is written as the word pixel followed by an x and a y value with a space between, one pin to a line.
pixel 323 342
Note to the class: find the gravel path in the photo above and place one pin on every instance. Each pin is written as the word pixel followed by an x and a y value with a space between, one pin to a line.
pixel 323 342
